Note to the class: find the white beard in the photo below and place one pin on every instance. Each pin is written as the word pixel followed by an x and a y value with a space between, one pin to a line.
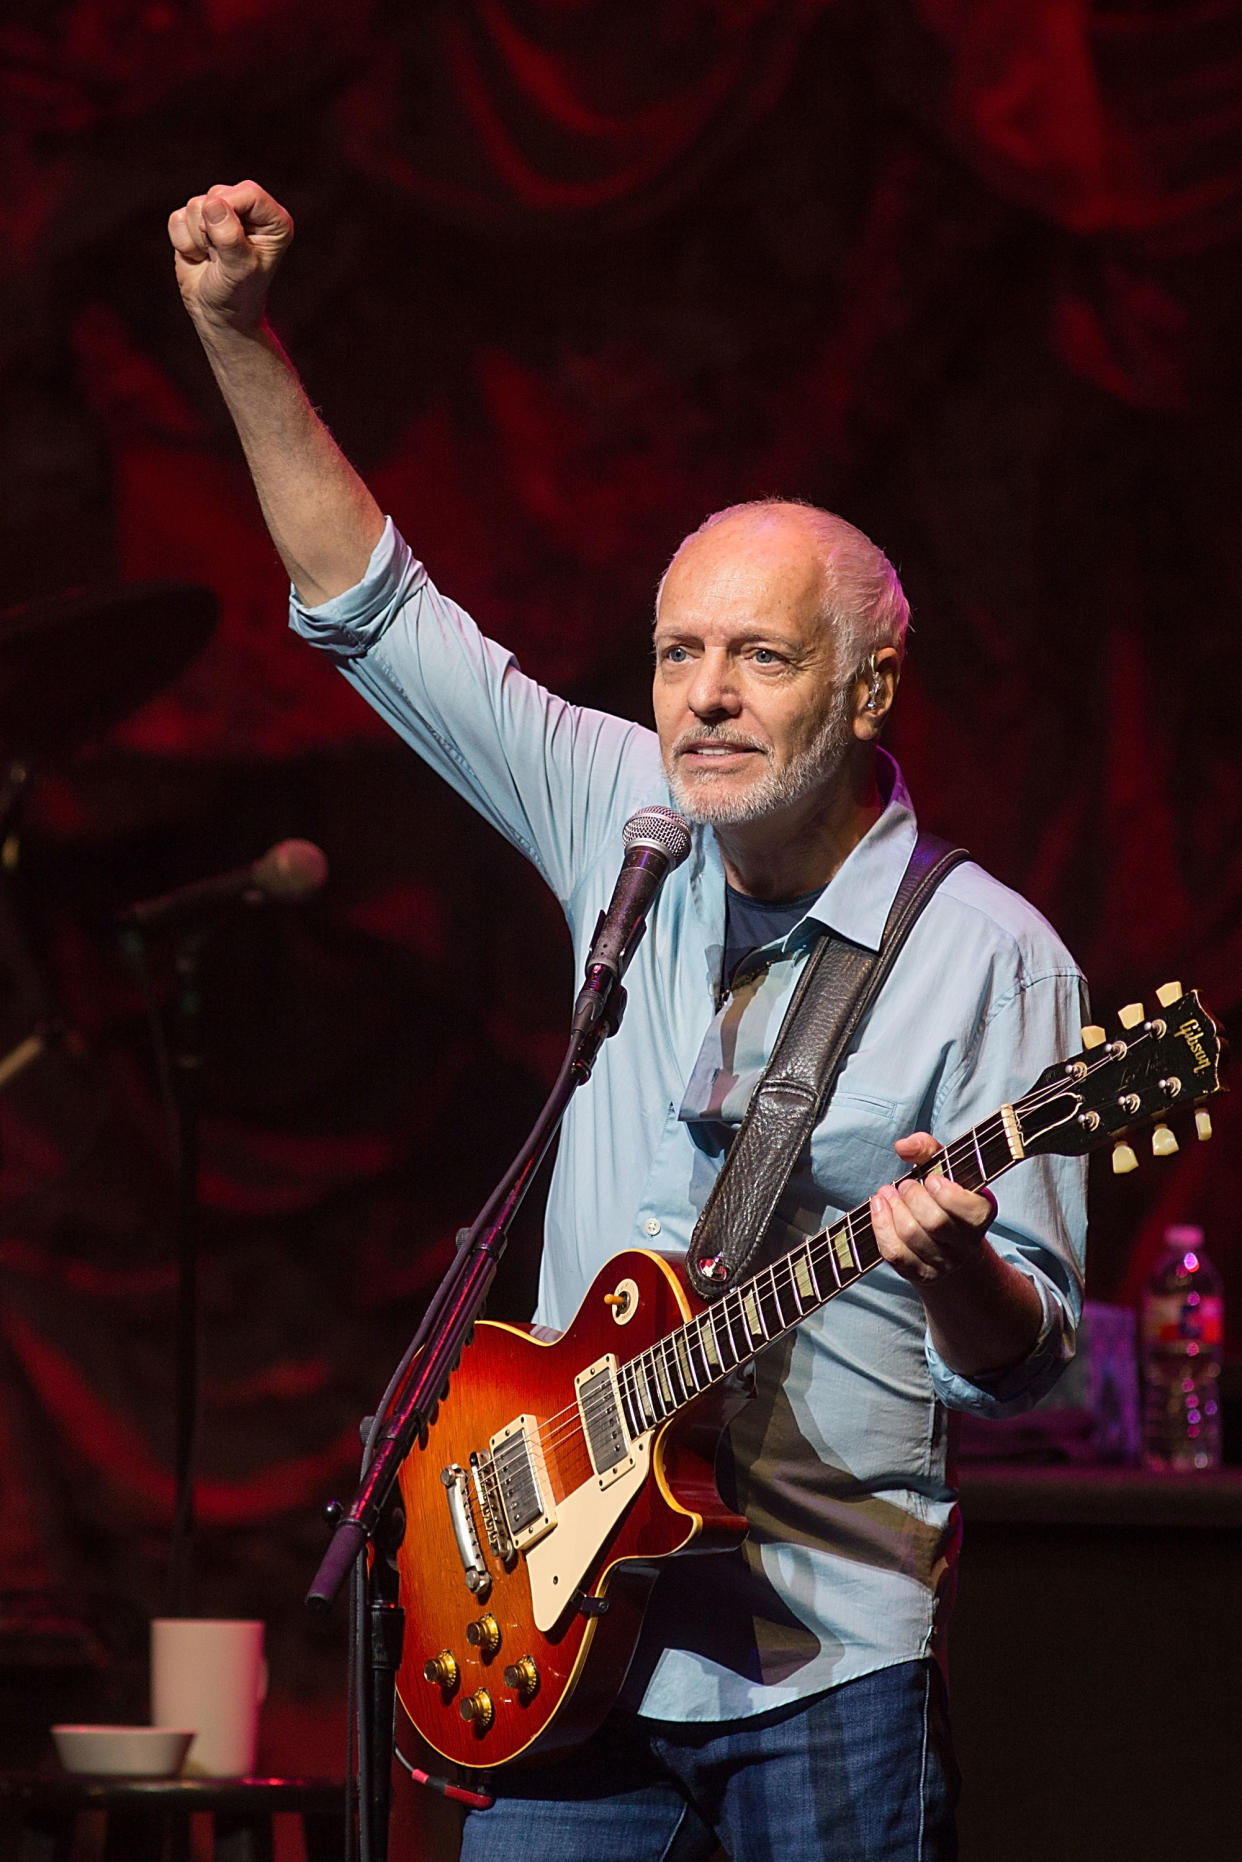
pixel 809 769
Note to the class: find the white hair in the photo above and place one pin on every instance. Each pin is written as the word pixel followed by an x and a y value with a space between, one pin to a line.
pixel 864 601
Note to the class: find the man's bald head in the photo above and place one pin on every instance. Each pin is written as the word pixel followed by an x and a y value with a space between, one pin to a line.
pixel 862 598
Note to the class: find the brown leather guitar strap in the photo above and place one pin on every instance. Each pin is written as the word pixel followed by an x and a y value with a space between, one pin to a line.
pixel 838 986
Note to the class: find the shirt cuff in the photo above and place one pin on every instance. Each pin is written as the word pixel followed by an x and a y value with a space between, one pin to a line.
pixel 1009 1392
pixel 350 624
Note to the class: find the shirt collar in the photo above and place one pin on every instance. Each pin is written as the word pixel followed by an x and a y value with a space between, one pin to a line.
pixel 858 898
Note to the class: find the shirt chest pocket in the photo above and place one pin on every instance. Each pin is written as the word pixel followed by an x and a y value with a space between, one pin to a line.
pixel 851 1151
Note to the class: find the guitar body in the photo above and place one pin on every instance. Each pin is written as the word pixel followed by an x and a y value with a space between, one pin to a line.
pixel 555 1479
pixel 538 1648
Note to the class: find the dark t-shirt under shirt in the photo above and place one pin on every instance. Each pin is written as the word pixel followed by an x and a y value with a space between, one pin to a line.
pixel 751 923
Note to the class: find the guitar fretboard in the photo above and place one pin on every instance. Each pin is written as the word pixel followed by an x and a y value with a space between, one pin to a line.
pixel 704 1351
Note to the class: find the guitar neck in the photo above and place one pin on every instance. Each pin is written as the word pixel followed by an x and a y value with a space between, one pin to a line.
pixel 685 1363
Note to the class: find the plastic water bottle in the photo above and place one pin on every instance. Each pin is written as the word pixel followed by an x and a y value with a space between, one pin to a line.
pixel 1182 1332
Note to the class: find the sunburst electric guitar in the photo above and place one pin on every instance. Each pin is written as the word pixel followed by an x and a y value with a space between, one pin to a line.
pixel 555 1478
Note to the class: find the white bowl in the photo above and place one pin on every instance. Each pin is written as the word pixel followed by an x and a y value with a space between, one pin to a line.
pixel 122 1751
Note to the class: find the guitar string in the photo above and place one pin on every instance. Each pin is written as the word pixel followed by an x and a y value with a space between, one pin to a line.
pixel 820 1250
pixel 776 1286
pixel 565 1428
pixel 566 1424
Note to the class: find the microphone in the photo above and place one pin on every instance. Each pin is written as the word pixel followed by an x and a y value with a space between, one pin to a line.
pixel 290 871
pixel 655 841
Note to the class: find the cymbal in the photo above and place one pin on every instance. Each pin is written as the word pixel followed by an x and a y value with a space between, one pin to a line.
pixel 73 666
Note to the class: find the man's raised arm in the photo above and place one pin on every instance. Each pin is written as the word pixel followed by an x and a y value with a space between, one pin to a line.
pixel 323 520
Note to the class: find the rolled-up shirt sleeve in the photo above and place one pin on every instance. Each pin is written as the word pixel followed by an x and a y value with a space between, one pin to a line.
pixel 1041 1220
pixel 555 779
pixel 350 624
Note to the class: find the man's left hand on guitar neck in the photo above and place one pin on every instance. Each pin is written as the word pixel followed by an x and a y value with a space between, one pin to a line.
pixel 984 1314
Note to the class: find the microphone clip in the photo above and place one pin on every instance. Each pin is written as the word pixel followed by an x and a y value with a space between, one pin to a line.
pixel 601 999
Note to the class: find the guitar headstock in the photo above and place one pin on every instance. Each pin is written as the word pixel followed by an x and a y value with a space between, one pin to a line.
pixel 1154 1066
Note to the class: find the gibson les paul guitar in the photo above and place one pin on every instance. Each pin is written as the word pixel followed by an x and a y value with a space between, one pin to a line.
pixel 556 1477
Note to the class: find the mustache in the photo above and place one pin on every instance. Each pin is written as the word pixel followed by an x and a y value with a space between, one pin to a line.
pixel 714 734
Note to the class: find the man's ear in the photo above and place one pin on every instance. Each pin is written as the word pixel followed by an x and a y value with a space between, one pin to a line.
pixel 875 687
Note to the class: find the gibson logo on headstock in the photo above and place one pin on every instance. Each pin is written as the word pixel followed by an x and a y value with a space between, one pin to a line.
pixel 1191 1032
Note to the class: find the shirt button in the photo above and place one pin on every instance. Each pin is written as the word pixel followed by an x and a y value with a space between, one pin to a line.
pixel 652 1225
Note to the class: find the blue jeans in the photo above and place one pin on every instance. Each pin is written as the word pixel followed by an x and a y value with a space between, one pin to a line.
pixel 863 1773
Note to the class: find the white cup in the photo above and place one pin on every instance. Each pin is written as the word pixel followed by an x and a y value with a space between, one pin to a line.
pixel 210 1675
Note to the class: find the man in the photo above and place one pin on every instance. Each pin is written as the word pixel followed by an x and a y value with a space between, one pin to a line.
pixel 785 1699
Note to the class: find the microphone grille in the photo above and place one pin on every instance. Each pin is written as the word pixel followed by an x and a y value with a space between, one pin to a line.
pixel 658 827
pixel 291 870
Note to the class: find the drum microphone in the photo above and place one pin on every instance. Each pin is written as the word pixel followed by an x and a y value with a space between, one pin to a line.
pixel 288 872
pixel 655 841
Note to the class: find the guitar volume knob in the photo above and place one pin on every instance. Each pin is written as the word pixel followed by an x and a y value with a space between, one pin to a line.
pixel 523 1677
pixel 484 1635
pixel 441 1670
pixel 478 1710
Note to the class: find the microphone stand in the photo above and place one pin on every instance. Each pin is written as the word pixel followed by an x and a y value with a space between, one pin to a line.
pixel 179 1057
pixel 417 1386
pixel 187 1070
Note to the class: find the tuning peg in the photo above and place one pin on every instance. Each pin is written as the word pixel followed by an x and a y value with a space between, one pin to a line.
pixel 1124 1160
pixel 1093 1036
pixel 1168 994
pixel 1163 1142
pixel 1131 1015
pixel 1203 1124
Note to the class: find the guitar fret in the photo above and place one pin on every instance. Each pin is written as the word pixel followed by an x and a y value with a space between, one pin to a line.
pixel 740 1330
pixel 804 1276
pixel 782 1273
pixel 855 1254
pixel 996 1147
pixel 731 1357
pixel 957 1165
pixel 696 1338
pixel 635 1397
pixel 843 1263
pixel 653 1402
pixel 624 1392
pixel 753 1317
pixel 770 1301
pixel 633 1405
pixel 682 1342
pixel 672 1368
pixel 659 1364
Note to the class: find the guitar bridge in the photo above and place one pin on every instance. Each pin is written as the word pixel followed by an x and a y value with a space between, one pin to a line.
pixel 491 1511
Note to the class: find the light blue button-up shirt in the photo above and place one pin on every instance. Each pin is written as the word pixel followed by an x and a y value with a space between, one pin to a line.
pixel 839 1462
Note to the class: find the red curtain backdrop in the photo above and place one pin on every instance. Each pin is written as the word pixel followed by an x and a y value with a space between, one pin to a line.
pixel 568 276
